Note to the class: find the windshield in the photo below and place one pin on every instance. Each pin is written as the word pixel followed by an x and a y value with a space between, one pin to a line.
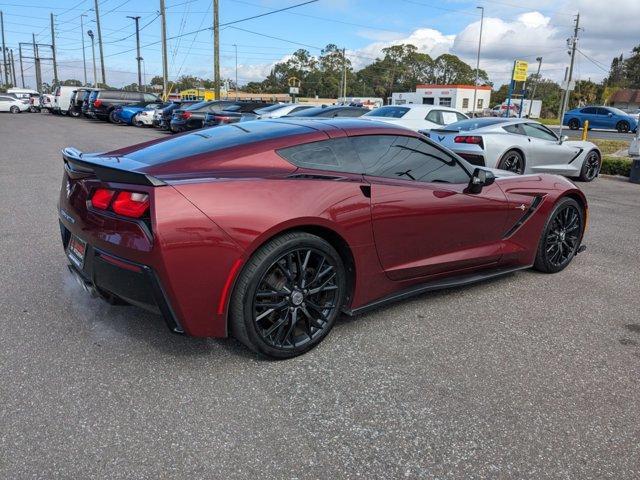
pixel 389 112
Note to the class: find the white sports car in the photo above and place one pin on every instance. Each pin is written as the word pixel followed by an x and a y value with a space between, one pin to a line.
pixel 519 145
pixel 415 116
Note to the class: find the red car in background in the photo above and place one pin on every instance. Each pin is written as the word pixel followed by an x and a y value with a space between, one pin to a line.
pixel 267 230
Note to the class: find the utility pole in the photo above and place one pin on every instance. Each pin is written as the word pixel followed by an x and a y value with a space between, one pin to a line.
pixel 216 48
pixel 4 53
pixel 21 70
pixel 93 51
pixel 36 60
pixel 13 68
pixel 236 47
pixel 165 68
pixel 475 87
pixel 138 58
pixel 104 78
pixel 84 59
pixel 53 49
pixel 573 41
pixel 535 85
pixel 344 74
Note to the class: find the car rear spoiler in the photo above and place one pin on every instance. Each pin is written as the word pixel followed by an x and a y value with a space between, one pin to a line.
pixel 106 168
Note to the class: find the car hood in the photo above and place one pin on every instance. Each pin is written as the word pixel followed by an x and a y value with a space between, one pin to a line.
pixel 581 144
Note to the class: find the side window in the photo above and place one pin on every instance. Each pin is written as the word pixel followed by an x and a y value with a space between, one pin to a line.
pixel 449 117
pixel 516 128
pixel 336 155
pixel 539 131
pixel 603 111
pixel 353 112
pixel 297 109
pixel 434 116
pixel 460 117
pixel 148 97
pixel 588 111
pixel 407 158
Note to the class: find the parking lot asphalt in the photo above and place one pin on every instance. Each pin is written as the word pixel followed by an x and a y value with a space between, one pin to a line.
pixel 527 376
pixel 598 134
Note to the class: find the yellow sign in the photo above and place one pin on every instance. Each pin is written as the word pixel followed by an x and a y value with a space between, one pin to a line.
pixel 520 71
pixel 294 82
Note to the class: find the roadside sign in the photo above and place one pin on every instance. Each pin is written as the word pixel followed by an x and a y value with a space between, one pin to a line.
pixel 520 71
pixel 568 85
pixel 293 81
pixel 294 90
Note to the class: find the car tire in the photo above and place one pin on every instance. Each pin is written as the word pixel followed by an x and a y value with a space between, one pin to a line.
pixel 14 109
pixel 112 117
pixel 590 167
pixel 272 309
pixel 74 113
pixel 512 161
pixel 137 122
pixel 574 124
pixel 561 236
pixel 623 127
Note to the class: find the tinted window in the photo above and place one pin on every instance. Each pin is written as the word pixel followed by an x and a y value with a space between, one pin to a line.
pixel 149 97
pixel 197 106
pixel 271 108
pixel 310 112
pixel 407 158
pixel 434 116
pixel 602 111
pixel 539 131
pixel 390 111
pixel 588 111
pixel 110 95
pixel 298 109
pixel 349 112
pixel 517 129
pixel 335 154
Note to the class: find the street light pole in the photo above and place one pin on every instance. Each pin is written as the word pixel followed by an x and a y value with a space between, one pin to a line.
pixel 535 85
pixel 138 58
pixel 84 59
pixel 236 47
pixel 475 87
pixel 93 51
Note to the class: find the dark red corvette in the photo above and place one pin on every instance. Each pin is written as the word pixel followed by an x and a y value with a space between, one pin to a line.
pixel 267 230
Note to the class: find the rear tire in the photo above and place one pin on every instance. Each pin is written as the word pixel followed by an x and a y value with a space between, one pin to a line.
pixel 112 117
pixel 14 109
pixel 561 236
pixel 590 167
pixel 288 295
pixel 512 161
pixel 574 124
pixel 623 127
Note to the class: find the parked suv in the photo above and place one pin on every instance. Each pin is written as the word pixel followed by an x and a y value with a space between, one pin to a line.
pixel 102 103
pixel 192 117
pixel 238 112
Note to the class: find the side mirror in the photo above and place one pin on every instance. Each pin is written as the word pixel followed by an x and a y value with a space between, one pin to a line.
pixel 563 139
pixel 480 178
pixel 609 114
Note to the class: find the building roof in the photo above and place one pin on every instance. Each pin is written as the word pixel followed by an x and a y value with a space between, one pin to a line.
pixel 468 87
pixel 626 95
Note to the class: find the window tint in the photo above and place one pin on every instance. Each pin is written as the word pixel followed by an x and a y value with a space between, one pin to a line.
pixel 349 112
pixel 6 99
pixel 435 117
pixel 539 131
pixel 336 154
pixel 298 109
pixel 407 158
pixel 602 111
pixel 389 111
pixel 588 111
pixel 517 129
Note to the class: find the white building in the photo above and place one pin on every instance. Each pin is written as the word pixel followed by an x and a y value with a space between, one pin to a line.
pixel 459 97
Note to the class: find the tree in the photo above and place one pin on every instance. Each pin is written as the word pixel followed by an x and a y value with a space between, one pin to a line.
pixel 632 68
pixel 616 72
pixel 71 83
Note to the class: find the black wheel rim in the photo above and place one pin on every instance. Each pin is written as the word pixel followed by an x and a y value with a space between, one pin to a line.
pixel 563 236
pixel 592 165
pixel 296 298
pixel 513 162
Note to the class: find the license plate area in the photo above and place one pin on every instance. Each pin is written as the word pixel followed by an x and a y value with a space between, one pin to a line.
pixel 76 251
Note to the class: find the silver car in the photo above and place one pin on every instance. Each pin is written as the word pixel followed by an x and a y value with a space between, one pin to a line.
pixel 519 145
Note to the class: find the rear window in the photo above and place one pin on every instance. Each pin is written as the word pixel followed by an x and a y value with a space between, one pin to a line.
pixel 389 112
pixel 197 106
pixel 212 140
pixel 310 112
pixel 271 108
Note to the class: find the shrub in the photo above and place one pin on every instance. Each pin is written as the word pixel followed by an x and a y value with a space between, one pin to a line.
pixel 616 166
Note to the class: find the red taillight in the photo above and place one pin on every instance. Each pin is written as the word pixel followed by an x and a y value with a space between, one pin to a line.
pixel 102 198
pixel 131 204
pixel 474 140
pixel 185 115
pixel 97 103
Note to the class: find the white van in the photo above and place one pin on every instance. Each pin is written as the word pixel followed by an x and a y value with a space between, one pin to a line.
pixel 62 99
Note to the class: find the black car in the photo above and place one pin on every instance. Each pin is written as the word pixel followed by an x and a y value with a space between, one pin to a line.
pixel 77 101
pixel 162 118
pixel 192 117
pixel 238 112
pixel 103 103
pixel 331 111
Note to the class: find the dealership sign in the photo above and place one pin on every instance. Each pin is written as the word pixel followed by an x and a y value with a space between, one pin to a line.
pixel 520 71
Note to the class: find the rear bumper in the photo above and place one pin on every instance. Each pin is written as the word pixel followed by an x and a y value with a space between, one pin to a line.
pixel 105 275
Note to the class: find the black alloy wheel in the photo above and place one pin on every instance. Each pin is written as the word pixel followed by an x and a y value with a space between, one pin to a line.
pixel 574 124
pixel 288 296
pixel 513 161
pixel 590 167
pixel 622 127
pixel 561 237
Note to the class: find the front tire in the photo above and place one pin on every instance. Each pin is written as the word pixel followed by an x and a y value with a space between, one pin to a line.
pixel 623 127
pixel 288 295
pixel 112 117
pixel 590 167
pixel 14 109
pixel 512 161
pixel 574 124
pixel 561 236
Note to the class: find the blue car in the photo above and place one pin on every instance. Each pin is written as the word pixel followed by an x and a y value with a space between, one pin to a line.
pixel 126 113
pixel 600 117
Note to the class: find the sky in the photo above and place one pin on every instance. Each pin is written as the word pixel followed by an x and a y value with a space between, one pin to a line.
pixel 512 29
